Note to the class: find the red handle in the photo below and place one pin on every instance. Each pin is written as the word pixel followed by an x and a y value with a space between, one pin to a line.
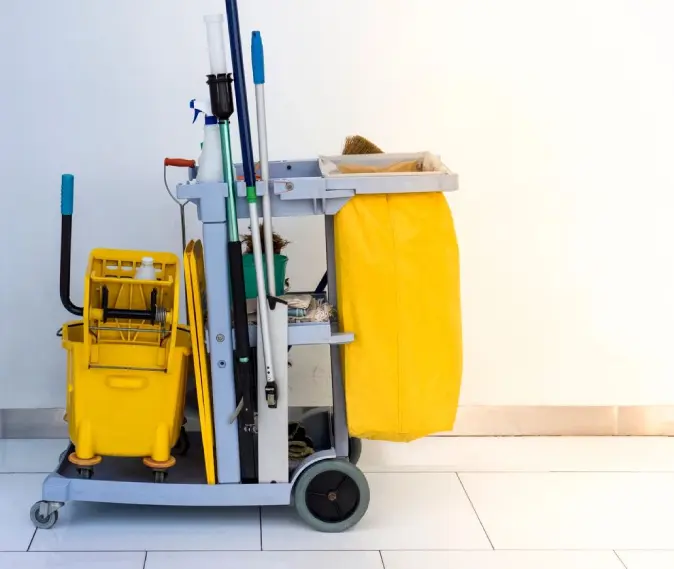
pixel 179 162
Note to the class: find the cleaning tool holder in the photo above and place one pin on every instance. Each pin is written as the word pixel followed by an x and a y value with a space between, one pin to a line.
pixel 220 90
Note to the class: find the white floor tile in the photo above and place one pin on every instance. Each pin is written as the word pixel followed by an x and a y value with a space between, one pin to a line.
pixel 72 560
pixel 648 559
pixel 36 455
pixel 501 560
pixel 407 511
pixel 521 454
pixel 18 492
pixel 574 510
pixel 266 560
pixel 107 527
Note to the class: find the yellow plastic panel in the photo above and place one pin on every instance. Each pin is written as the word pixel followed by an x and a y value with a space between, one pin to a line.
pixel 398 285
pixel 195 283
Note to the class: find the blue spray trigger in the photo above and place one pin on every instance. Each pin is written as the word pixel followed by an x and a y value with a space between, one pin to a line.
pixel 197 110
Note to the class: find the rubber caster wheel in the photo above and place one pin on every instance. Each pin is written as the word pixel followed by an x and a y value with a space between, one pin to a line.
pixel 43 522
pixel 85 473
pixel 355 449
pixel 332 495
pixel 183 445
pixel 160 476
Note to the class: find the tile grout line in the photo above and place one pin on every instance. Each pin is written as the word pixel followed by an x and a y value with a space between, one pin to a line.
pixel 620 559
pixel 475 510
pixel 261 543
pixel 31 540
pixel 145 560
pixel 381 557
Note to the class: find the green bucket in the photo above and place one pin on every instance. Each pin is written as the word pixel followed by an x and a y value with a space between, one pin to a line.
pixel 249 278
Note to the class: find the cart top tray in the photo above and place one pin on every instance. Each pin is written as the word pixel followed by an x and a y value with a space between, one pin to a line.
pixel 322 186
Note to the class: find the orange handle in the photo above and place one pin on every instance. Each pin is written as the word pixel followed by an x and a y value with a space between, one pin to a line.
pixel 179 162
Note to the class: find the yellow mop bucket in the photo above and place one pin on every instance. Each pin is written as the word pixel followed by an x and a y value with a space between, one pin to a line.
pixel 127 376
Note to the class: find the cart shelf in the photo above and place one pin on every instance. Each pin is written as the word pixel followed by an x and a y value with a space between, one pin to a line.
pixel 309 333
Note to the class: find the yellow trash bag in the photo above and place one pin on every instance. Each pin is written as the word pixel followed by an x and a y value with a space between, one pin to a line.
pixel 398 292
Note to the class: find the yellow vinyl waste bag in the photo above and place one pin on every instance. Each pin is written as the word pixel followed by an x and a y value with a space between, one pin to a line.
pixel 398 292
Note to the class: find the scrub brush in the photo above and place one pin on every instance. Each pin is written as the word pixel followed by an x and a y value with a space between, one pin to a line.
pixel 360 145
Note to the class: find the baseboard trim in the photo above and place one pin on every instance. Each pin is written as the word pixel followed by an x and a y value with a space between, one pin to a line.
pixel 471 421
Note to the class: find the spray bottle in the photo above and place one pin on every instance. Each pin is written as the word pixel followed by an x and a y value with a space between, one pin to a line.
pixel 210 160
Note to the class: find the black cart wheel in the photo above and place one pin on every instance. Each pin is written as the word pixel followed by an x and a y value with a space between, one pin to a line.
pixel 355 449
pixel 40 521
pixel 85 473
pixel 160 476
pixel 332 495
pixel 183 445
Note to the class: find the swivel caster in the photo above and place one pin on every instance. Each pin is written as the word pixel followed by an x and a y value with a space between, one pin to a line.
pixel 160 476
pixel 183 445
pixel 355 449
pixel 85 473
pixel 45 519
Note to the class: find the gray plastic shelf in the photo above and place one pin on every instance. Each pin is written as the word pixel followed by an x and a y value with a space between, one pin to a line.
pixel 309 334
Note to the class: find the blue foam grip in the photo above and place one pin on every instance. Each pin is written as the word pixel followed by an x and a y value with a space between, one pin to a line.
pixel 258 59
pixel 67 194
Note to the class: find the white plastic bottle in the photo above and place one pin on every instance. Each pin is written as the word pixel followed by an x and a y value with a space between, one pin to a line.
pixel 210 160
pixel 145 270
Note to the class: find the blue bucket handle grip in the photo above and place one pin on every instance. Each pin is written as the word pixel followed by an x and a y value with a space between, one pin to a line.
pixel 67 194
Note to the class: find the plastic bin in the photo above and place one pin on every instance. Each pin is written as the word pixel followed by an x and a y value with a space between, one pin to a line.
pixel 280 263
pixel 126 378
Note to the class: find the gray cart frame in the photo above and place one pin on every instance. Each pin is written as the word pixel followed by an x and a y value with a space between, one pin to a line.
pixel 297 188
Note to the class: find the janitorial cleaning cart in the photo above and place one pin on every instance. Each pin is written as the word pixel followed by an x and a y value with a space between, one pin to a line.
pixel 388 308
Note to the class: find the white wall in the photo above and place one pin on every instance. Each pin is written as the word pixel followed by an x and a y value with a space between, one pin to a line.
pixel 557 115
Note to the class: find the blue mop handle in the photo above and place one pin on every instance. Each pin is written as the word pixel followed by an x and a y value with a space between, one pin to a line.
pixel 240 92
pixel 67 194
pixel 258 59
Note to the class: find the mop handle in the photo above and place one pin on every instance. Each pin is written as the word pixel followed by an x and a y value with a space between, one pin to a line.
pixel 241 99
pixel 257 53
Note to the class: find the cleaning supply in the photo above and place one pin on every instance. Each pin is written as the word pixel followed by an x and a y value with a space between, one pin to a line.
pixel 210 160
pixel 145 270
pixel 222 105
pixel 399 293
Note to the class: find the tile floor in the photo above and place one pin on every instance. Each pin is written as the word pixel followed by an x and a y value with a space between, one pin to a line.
pixel 438 503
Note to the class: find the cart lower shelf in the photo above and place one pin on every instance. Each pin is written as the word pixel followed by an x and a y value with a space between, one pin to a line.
pixel 119 480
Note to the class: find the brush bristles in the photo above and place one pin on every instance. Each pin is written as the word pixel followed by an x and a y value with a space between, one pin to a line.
pixel 360 145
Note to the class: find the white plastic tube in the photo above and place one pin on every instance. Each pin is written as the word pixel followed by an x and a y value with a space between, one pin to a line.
pixel 216 43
